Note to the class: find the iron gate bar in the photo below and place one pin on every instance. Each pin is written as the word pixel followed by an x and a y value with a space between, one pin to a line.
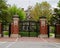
pixel 30 23
pixel 2 31
pixel 54 31
pixel 29 29
pixel 48 30
pixel 36 30
pixel 9 29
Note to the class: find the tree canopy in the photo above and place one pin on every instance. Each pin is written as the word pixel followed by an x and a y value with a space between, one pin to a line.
pixel 14 10
pixel 59 4
pixel 57 11
pixel 7 12
pixel 3 10
pixel 41 9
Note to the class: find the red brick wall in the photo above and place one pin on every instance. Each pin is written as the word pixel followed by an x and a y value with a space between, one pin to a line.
pixel 0 28
pixel 58 29
pixel 14 28
pixel 46 29
pixel 43 29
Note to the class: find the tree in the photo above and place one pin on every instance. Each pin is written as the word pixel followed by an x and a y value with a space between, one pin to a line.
pixel 57 12
pixel 59 4
pixel 3 4
pixel 3 11
pixel 35 12
pixel 14 10
pixel 41 9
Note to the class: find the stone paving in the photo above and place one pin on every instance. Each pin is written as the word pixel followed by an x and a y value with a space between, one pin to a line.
pixel 29 42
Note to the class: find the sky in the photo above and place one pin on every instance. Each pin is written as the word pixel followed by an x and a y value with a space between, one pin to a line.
pixel 25 3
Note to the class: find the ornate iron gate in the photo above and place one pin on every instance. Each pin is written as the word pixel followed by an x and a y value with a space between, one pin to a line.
pixel 29 28
pixel 51 30
pixel 6 29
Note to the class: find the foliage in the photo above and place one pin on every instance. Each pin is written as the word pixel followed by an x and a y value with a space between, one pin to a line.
pixel 3 4
pixel 41 9
pixel 6 13
pixel 59 4
pixel 57 11
pixel 14 10
pixel 3 11
pixel 32 34
pixel 6 33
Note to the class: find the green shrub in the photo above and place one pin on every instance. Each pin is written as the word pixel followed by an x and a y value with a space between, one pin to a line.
pixel 6 33
pixel 32 34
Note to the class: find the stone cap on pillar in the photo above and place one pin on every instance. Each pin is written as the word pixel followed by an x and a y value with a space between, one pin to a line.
pixel 15 16
pixel 42 17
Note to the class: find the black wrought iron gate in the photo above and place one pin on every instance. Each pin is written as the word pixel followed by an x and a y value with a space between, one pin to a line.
pixel 6 29
pixel 52 31
pixel 29 28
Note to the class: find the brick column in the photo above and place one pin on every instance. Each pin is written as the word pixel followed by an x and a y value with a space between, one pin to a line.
pixel 0 29
pixel 43 28
pixel 58 30
pixel 15 26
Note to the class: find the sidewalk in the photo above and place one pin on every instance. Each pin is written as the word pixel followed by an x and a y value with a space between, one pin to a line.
pixel 29 42
pixel 57 40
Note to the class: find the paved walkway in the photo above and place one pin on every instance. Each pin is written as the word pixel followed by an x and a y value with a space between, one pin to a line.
pixel 29 42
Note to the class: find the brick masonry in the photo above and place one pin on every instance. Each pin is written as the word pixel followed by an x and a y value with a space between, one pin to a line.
pixel 14 28
pixel 43 28
pixel 58 30
pixel 0 28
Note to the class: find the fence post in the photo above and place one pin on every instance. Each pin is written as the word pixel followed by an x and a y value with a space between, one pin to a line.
pixel 9 29
pixel 48 30
pixel 43 27
pixel 0 29
pixel 57 31
pixel 15 26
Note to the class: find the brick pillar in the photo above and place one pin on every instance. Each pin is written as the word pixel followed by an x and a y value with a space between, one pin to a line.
pixel 15 26
pixel 0 29
pixel 58 30
pixel 43 28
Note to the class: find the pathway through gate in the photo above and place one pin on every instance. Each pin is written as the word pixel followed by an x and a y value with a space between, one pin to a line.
pixel 6 30
pixel 52 31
